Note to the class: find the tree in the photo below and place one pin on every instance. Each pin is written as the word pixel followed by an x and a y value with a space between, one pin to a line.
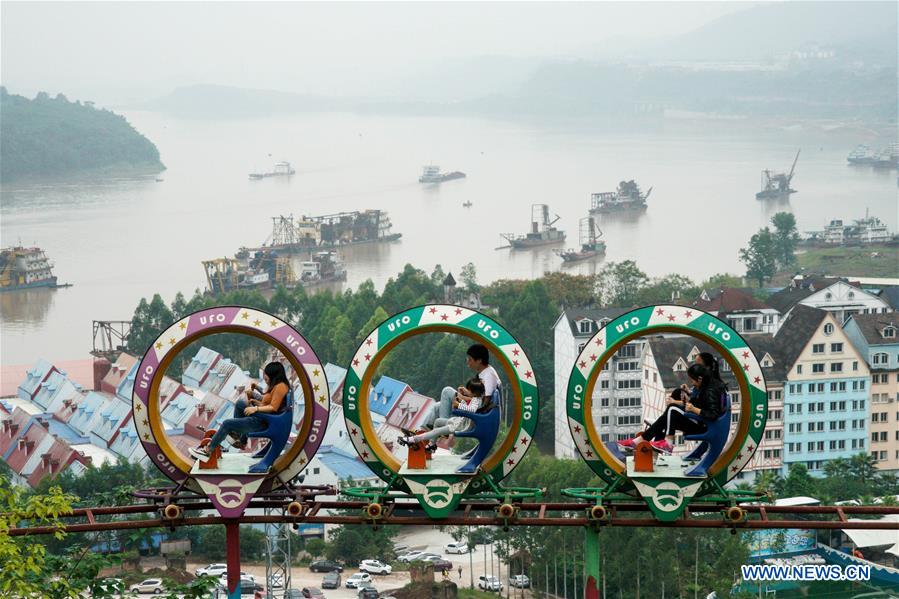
pixel 316 547
pixel 619 283
pixel 785 237
pixel 760 256
pixel 798 482
pixel 469 278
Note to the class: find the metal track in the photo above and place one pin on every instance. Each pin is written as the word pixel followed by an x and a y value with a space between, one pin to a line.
pixel 474 513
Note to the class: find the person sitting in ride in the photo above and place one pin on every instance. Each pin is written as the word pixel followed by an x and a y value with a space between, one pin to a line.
pixel 272 401
pixel 706 404
pixel 469 398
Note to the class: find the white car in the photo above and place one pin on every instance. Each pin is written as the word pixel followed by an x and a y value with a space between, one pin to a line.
pixel 456 547
pixel 489 583
pixel 355 580
pixel 373 566
pixel 410 556
pixel 150 585
pixel 213 570
pixel 520 581
pixel 223 579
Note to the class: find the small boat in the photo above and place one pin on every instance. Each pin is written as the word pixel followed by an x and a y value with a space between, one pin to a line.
pixel 467 203
pixel 281 169
pixel 591 244
pixel 861 155
pixel 431 174
pixel 542 231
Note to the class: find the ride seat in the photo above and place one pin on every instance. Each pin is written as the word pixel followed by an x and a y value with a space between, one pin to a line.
pixel 711 441
pixel 485 428
pixel 277 432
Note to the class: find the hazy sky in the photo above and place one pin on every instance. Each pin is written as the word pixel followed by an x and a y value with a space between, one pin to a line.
pixel 126 52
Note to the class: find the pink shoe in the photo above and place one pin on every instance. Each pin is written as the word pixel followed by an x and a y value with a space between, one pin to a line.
pixel 630 443
pixel 663 446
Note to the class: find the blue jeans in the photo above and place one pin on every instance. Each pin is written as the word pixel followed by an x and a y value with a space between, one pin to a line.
pixel 439 414
pixel 241 423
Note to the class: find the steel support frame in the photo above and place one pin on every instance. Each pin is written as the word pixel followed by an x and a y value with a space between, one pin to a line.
pixel 278 553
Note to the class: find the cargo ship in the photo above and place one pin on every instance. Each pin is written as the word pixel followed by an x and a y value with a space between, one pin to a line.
pixel 281 169
pixel 776 186
pixel 861 155
pixel 591 244
pixel 542 231
pixel 25 268
pixel 265 268
pixel 887 157
pixel 329 231
pixel 627 198
pixel 431 174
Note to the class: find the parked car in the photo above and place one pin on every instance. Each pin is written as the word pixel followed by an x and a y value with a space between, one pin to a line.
pixel 456 547
pixel 373 566
pixel 293 594
pixel 214 570
pixel 410 556
pixel 520 581
pixel 399 548
pixel 247 589
pixel 357 579
pixel 367 591
pixel 313 593
pixel 150 585
pixel 325 565
pixel 331 580
pixel 489 583
pixel 223 579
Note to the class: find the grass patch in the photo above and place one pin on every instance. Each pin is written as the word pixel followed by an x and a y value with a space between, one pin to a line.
pixel 847 261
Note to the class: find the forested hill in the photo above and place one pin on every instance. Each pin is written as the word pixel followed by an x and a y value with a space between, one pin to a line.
pixel 52 136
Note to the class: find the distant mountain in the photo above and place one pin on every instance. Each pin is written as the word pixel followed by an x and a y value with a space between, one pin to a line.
pixel 864 29
pixel 52 136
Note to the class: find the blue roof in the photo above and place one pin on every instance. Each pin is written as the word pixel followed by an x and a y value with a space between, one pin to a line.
pixel 33 378
pixel 344 465
pixel 385 394
pixel 126 387
pixel 198 367
pixel 335 375
pixel 63 431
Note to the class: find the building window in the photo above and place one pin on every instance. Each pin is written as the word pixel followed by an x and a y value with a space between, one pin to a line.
pixel 629 420
pixel 889 332
pixel 818 368
pixel 628 402
pixel 880 358
pixel 604 402
pixel 315 471
pixel 604 420
pixel 836 367
pixel 818 348
pixel 628 351
pixel 585 326
pixel 828 329
pixel 604 384
pixel 799 369
pixel 851 294
pixel 836 348
pixel 855 365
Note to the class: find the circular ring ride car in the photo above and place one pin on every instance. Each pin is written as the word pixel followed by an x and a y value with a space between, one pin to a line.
pixel 440 481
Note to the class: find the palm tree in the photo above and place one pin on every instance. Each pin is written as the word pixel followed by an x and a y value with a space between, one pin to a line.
pixel 864 467
pixel 769 482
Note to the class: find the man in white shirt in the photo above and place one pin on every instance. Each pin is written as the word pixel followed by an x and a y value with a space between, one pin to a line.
pixel 478 359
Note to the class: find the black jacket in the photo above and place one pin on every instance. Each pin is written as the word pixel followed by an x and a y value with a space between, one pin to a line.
pixel 708 399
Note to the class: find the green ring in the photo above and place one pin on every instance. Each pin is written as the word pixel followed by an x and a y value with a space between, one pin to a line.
pixel 450 319
pixel 669 319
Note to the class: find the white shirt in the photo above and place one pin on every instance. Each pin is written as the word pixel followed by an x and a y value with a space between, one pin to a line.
pixel 490 379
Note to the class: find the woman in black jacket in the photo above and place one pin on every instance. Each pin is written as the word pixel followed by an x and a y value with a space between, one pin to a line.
pixel 706 403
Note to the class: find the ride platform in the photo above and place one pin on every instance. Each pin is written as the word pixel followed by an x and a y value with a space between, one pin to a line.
pixel 230 486
pixel 439 487
pixel 230 464
pixel 666 489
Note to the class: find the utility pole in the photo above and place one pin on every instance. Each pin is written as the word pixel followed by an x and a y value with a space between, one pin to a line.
pixel 696 572
pixel 470 560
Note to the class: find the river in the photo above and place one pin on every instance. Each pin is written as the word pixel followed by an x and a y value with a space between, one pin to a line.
pixel 120 239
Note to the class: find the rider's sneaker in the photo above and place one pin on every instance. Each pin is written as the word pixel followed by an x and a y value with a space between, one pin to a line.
pixel 201 453
pixel 630 443
pixel 664 446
